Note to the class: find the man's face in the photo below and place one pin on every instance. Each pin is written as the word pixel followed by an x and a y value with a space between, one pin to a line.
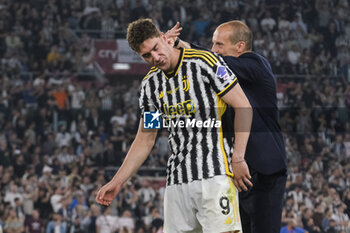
pixel 157 52
pixel 35 214
pixel 222 43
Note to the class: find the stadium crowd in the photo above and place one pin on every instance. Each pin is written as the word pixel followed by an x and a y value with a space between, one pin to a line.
pixel 58 134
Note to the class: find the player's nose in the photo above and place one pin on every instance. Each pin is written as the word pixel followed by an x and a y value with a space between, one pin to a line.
pixel 155 56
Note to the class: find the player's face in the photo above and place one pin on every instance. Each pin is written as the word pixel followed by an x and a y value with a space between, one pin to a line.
pixel 157 52
pixel 222 43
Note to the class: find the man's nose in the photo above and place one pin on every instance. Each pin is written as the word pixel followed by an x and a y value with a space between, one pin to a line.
pixel 214 49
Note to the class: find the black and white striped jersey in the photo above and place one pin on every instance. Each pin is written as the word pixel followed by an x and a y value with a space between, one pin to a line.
pixel 191 94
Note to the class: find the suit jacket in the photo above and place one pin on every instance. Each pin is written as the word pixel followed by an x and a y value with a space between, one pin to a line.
pixel 265 149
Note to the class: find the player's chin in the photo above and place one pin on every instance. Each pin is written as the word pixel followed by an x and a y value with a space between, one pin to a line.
pixel 162 66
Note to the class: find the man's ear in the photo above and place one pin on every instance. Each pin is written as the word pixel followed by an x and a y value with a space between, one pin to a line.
pixel 241 47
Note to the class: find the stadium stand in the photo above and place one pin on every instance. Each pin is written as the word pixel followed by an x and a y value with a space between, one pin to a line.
pixel 65 127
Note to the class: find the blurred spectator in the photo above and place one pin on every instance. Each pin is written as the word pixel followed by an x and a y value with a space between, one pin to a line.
pixel 12 194
pixel 311 228
pixel 65 157
pixel 93 120
pixel 298 24
pixel 341 219
pixel 77 99
pixel 42 203
pixel 91 102
pixel 56 225
pixel 107 26
pixel 76 226
pixel 30 192
pixel 294 54
pixel 318 215
pixel 49 145
pixel 63 137
pixel 19 209
pixel 64 210
pixel 91 19
pixel 126 221
pixel 330 39
pixel 89 222
pixel 13 223
pixel 117 135
pixel 34 224
pixel 106 223
pixel 53 56
pixel 332 226
pixel 138 11
pixel 106 96
pixel 347 201
pixel 157 221
pixel 267 23
pixel 146 192
pixel 110 156
pixel 81 208
pixel 13 43
pixel 201 24
pixel 97 149
pixel 119 118
pixel 61 97
pixel 56 199
pixel 19 166
pixel 292 227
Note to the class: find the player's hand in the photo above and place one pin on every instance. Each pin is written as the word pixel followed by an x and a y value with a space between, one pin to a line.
pixel 107 193
pixel 241 177
pixel 173 33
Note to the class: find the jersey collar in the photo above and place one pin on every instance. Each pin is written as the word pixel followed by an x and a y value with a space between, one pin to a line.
pixel 177 67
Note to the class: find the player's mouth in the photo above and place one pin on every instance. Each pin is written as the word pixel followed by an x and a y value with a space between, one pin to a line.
pixel 160 64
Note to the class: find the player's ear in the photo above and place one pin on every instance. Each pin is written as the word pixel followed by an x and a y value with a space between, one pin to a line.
pixel 170 42
pixel 163 36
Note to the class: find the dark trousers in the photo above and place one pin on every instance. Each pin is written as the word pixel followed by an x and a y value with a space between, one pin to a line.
pixel 261 205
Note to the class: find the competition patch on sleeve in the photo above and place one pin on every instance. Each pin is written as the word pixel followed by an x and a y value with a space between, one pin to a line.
pixel 222 73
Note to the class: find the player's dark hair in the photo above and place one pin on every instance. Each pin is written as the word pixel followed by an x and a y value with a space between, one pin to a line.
pixel 139 31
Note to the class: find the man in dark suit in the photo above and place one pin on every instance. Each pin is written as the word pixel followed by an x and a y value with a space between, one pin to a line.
pixel 261 175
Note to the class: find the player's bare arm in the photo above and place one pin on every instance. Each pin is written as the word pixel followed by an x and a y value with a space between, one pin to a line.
pixel 139 151
pixel 242 123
